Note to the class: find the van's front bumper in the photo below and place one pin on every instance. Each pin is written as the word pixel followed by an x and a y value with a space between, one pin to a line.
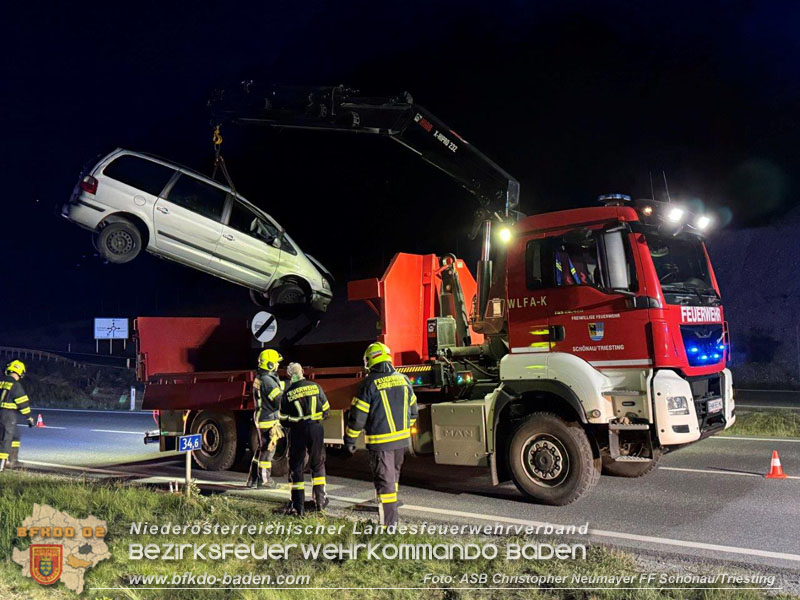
pixel 320 301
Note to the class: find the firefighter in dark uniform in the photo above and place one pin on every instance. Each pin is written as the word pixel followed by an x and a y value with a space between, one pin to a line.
pixel 386 408
pixel 267 390
pixel 304 407
pixel 12 400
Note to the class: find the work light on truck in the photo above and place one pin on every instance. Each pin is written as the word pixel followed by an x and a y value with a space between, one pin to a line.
pixel 677 405
pixel 675 215
pixel 702 222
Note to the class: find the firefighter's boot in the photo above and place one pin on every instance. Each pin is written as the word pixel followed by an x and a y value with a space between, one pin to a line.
pixel 13 457
pixel 252 477
pixel 321 498
pixel 299 501
pixel 264 479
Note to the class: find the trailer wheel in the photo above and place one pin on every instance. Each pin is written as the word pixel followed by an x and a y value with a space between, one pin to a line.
pixel 219 437
pixel 551 460
pixel 280 462
pixel 630 469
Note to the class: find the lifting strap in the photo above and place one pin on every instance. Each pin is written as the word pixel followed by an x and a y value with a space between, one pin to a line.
pixel 219 162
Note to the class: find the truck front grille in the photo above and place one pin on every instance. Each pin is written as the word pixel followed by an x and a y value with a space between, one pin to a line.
pixel 704 389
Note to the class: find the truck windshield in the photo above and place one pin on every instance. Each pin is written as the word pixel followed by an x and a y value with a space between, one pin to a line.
pixel 681 264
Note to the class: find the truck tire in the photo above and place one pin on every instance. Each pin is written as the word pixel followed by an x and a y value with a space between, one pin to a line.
pixel 119 242
pixel 551 460
pixel 219 436
pixel 280 462
pixel 630 469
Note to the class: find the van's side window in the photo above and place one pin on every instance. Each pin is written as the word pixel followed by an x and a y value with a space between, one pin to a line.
pixel 140 173
pixel 199 197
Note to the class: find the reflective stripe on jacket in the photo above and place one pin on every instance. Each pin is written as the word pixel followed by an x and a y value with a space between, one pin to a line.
pixel 267 390
pixel 13 397
pixel 304 401
pixel 385 407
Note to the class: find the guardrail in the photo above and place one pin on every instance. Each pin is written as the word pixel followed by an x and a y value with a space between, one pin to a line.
pixel 116 362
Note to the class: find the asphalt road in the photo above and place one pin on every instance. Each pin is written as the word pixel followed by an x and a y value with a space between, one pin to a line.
pixel 709 500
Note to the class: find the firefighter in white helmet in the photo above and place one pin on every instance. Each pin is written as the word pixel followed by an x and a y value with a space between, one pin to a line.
pixel 304 407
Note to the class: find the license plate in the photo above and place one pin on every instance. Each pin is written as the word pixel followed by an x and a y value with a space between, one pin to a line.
pixel 714 405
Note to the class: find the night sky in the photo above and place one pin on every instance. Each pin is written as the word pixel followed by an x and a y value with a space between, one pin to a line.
pixel 573 98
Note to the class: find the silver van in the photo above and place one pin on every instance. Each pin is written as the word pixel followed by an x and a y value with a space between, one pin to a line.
pixel 132 201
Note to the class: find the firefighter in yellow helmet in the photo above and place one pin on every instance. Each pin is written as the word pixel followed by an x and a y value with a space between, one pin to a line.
pixel 12 400
pixel 386 408
pixel 267 392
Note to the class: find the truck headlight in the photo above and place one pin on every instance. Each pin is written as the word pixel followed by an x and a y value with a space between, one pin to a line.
pixel 678 405
pixel 326 285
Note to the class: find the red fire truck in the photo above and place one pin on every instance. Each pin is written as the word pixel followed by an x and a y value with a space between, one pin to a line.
pixel 593 340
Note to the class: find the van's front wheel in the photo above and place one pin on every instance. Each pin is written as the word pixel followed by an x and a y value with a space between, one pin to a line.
pixel 551 460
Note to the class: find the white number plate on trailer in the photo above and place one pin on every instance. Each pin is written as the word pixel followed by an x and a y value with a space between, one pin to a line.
pixel 714 405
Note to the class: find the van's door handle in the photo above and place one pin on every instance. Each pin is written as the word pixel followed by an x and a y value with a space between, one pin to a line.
pixel 228 236
pixel 163 210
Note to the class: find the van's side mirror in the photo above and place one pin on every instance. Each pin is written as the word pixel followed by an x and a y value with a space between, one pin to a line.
pixel 617 276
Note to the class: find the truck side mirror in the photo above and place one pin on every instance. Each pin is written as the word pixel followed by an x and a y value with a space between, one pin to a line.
pixel 616 261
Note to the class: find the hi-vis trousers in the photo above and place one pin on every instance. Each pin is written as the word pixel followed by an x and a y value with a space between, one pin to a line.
pixel 386 465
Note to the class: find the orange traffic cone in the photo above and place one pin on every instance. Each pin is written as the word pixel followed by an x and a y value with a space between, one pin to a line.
pixel 40 421
pixel 775 468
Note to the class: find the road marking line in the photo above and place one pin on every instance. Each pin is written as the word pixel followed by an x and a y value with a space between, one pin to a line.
pixel 71 467
pixel 754 439
pixel 771 407
pixel 614 534
pixel 45 427
pixel 769 391
pixel 140 433
pixel 716 472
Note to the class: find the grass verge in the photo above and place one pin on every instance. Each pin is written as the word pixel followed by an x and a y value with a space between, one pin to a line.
pixel 772 423
pixel 120 505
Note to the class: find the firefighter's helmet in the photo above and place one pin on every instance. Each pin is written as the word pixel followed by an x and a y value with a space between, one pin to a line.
pixel 269 359
pixel 376 353
pixel 16 366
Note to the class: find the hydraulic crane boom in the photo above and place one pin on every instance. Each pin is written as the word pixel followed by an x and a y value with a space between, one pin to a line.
pixel 339 108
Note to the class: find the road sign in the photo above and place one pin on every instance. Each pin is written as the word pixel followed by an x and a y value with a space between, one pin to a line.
pixel 111 329
pixel 264 326
pixel 188 443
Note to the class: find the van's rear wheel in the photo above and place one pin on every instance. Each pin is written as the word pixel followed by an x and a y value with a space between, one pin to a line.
pixel 219 438
pixel 551 460
pixel 119 242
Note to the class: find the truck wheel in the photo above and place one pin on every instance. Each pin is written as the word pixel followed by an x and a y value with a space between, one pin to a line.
pixel 629 469
pixel 218 431
pixel 119 242
pixel 551 460
pixel 280 462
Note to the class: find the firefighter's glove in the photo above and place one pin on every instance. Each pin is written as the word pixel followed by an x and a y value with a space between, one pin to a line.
pixel 350 450
pixel 275 434
pixel 30 421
